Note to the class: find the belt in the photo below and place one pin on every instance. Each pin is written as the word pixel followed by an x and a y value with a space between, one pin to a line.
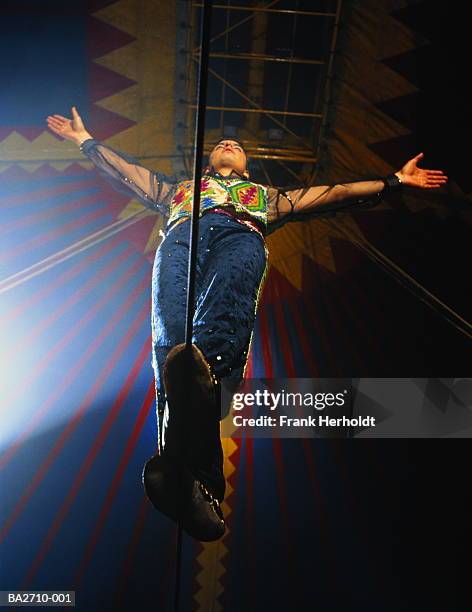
pixel 231 212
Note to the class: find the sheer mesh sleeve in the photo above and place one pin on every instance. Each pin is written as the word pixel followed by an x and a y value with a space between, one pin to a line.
pixel 154 189
pixel 303 203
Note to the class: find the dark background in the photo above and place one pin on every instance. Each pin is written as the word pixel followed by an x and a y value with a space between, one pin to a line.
pixel 413 499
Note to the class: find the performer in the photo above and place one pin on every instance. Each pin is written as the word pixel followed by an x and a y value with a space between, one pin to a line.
pixel 185 479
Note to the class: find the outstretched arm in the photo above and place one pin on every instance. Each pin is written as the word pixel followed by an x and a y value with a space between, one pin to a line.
pixel 312 199
pixel 151 188
pixel 70 129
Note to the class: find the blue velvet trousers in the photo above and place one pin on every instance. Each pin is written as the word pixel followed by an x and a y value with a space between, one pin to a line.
pixel 231 268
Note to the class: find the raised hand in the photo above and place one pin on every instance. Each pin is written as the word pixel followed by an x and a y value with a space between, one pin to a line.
pixel 413 176
pixel 70 129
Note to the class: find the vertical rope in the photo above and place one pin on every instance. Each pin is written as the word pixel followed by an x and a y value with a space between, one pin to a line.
pixel 205 28
pixel 197 166
pixel 178 568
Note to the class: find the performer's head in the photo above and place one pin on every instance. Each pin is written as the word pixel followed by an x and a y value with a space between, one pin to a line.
pixel 227 156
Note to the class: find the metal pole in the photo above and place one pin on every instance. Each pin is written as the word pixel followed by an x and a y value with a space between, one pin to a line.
pixel 264 57
pixel 197 167
pixel 263 9
pixel 238 23
pixel 195 215
pixel 329 79
pixel 265 111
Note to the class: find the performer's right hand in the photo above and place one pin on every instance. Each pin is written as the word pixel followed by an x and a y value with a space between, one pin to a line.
pixel 70 129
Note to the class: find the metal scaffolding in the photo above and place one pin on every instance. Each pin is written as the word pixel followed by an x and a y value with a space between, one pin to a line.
pixel 269 82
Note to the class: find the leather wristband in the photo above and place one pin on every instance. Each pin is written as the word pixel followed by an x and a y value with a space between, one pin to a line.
pixel 392 183
pixel 86 144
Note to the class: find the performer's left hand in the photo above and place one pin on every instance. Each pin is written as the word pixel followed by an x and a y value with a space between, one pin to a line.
pixel 413 176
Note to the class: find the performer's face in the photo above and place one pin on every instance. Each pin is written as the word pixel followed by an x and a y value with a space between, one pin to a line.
pixel 228 155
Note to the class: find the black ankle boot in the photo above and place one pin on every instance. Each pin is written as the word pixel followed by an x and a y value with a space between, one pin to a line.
pixel 174 481
pixel 191 391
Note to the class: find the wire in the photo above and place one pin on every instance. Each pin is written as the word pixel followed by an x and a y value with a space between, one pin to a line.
pixel 404 278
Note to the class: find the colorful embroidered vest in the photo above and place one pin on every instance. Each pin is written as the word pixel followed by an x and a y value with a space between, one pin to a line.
pixel 244 196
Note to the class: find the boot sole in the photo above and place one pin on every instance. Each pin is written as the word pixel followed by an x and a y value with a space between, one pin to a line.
pixel 174 492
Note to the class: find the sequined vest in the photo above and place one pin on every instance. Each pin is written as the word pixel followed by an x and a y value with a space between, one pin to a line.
pixel 218 192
